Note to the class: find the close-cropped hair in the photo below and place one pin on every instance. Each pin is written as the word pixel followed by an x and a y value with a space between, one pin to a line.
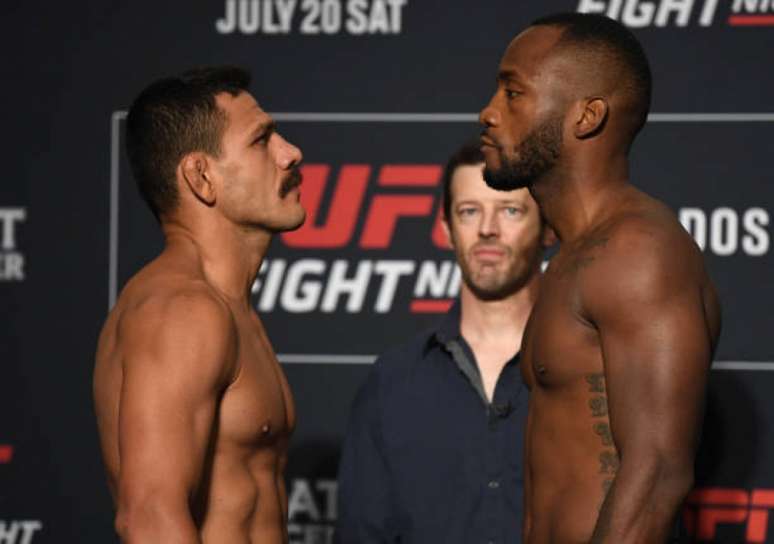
pixel 172 117
pixel 469 154
pixel 600 37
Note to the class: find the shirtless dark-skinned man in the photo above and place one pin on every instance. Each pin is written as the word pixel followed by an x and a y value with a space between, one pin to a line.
pixel 193 409
pixel 618 347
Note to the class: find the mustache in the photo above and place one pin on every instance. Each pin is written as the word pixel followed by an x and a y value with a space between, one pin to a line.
pixel 491 245
pixel 293 180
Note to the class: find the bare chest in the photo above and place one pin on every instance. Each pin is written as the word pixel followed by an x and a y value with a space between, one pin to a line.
pixel 257 409
pixel 560 345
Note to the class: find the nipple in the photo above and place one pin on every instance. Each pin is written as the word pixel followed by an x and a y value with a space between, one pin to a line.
pixel 266 428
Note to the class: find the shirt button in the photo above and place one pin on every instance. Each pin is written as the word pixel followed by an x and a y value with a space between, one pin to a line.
pixel 494 484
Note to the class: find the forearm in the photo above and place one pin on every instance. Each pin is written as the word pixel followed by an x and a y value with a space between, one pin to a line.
pixel 155 521
pixel 642 503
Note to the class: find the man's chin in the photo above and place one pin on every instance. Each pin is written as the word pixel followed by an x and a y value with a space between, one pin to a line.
pixel 489 292
pixel 287 223
pixel 298 222
pixel 494 287
pixel 502 180
pixel 486 286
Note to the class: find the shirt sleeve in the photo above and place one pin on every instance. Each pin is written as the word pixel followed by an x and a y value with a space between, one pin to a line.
pixel 365 508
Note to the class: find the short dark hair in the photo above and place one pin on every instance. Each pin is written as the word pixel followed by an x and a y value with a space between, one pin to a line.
pixel 604 37
pixel 469 154
pixel 172 117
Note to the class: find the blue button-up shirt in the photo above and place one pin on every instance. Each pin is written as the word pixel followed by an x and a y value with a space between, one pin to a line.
pixel 427 459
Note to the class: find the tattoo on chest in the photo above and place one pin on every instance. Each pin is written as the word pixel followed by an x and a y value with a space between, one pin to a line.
pixel 586 254
pixel 609 461
pixel 598 406
pixel 603 431
pixel 596 382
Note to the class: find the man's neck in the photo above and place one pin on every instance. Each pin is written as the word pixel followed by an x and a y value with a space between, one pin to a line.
pixel 497 321
pixel 494 329
pixel 229 257
pixel 575 198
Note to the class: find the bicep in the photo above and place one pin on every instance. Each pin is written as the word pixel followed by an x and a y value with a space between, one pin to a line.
pixel 163 430
pixel 656 351
pixel 173 376
pixel 656 364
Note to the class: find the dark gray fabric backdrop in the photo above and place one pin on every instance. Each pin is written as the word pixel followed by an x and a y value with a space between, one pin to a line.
pixel 366 271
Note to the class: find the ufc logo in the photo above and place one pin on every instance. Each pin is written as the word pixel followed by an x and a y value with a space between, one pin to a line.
pixel 382 214
pixel 707 508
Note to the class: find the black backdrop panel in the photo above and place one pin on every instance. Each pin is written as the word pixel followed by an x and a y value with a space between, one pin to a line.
pixel 341 290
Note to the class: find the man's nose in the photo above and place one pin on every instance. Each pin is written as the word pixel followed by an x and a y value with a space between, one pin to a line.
pixel 489 116
pixel 489 226
pixel 288 155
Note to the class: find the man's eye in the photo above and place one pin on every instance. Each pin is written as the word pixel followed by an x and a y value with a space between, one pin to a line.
pixel 261 140
pixel 467 211
pixel 511 210
pixel 510 93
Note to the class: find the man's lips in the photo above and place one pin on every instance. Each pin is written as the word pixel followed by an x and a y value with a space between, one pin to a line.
pixel 292 182
pixel 488 253
pixel 487 141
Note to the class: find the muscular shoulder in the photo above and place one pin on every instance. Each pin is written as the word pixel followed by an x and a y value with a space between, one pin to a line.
pixel 642 255
pixel 177 328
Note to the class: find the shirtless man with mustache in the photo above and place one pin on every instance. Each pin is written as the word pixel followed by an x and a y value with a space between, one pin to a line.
pixel 193 409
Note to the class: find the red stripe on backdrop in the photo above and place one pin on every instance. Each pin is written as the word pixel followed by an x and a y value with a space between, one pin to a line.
pixel 430 306
pixel 6 453
pixel 423 175
pixel 751 20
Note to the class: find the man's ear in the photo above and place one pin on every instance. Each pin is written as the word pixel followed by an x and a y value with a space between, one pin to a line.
pixel 549 237
pixel 196 171
pixel 591 118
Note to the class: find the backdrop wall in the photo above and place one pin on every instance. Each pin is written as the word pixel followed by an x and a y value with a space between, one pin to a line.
pixel 377 93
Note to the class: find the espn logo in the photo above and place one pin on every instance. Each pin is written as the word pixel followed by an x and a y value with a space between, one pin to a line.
pixel 707 508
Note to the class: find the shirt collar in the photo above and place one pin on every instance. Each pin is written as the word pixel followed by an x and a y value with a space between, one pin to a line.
pixel 448 327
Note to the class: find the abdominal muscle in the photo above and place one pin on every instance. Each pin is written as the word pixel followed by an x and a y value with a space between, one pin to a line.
pixel 246 499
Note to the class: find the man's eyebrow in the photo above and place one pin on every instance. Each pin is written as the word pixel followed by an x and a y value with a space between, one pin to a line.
pixel 509 74
pixel 266 127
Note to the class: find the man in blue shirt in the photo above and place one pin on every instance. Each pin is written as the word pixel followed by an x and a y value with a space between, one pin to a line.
pixel 434 448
